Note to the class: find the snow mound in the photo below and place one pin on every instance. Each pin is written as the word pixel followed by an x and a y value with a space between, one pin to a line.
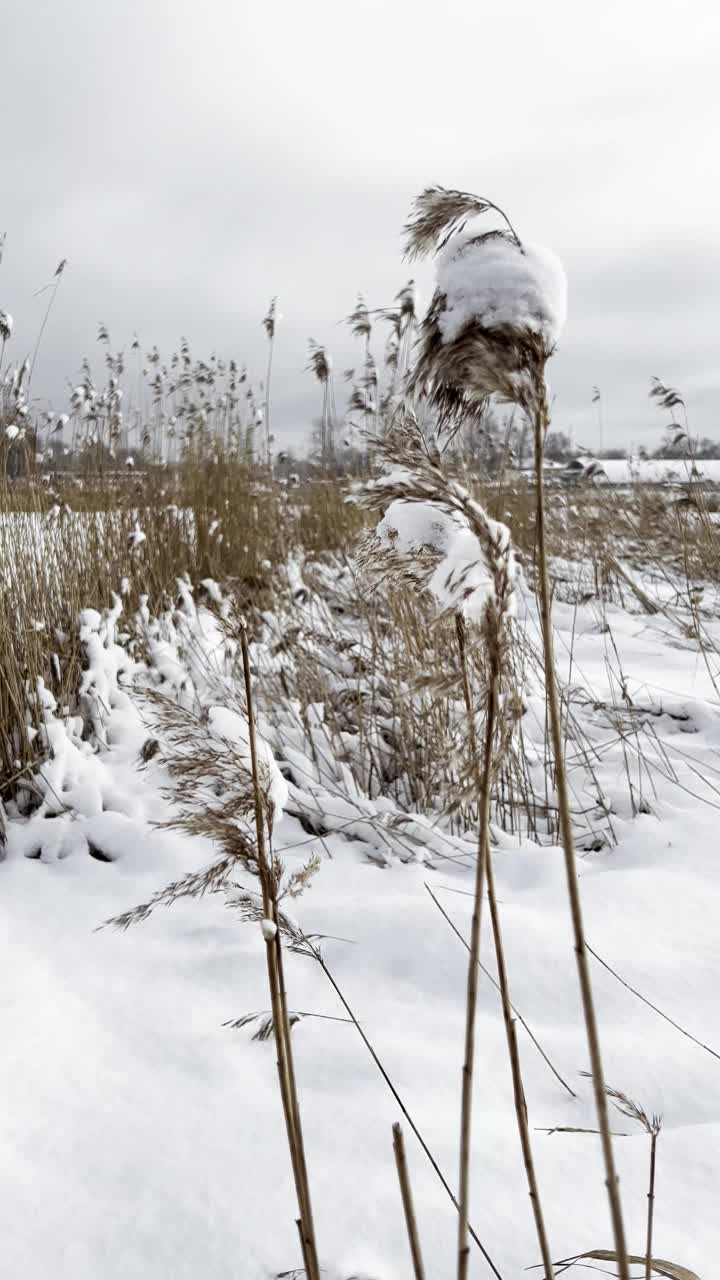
pixel 494 283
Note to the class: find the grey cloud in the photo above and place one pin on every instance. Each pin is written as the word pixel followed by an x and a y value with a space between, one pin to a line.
pixel 193 161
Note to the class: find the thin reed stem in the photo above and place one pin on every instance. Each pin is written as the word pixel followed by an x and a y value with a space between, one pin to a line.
pixel 514 1008
pixel 53 294
pixel 281 1023
pixel 483 783
pixel 484 787
pixel 407 1200
pixel 541 422
pixel 516 1072
pixel 651 1207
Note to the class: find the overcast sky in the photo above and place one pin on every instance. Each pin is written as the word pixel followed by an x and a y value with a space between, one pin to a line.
pixel 191 158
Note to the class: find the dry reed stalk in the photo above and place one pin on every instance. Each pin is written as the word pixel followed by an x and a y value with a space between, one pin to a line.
pixel 407 1201
pixel 484 772
pixel 281 1023
pixel 421 479
pixel 651 1207
pixel 484 781
pixel 540 424
pixel 652 1125
pixel 458 370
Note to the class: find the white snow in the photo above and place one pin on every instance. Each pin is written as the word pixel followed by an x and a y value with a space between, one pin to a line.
pixel 659 470
pixel 462 577
pixel 493 283
pixel 139 1137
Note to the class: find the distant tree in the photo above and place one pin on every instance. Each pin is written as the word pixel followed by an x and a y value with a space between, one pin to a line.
pixel 559 447
pixel 707 448
pixel 615 453
pixel 701 447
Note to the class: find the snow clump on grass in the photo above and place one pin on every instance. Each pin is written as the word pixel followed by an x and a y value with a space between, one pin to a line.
pixel 491 281
pixel 463 577
pixel 434 535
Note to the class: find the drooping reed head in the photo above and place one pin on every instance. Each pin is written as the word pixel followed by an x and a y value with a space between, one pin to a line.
pixel 498 307
pixel 359 319
pixel 270 319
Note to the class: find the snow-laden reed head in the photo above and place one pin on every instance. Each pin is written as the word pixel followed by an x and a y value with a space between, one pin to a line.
pixel 435 536
pixel 320 361
pixel 497 311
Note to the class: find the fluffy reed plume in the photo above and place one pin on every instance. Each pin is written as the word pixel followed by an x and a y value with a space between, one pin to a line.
pixel 269 325
pixel 322 366
pixel 652 1126
pixel 435 536
pixel 439 213
pixel 359 320
pixel 363 397
pixel 226 786
pixel 407 308
pixel 494 316
pixel 666 397
pixel 669 398
pixel 492 325
pixel 213 787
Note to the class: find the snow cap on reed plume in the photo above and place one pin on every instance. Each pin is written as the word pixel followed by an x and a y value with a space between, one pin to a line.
pixel 492 282
pixel 497 311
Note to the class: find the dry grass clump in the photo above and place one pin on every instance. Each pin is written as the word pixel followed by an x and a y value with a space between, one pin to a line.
pixel 72 542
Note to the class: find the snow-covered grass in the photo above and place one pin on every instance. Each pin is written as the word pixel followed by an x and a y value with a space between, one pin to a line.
pixel 64 547
pixel 152 1135
pixel 360 708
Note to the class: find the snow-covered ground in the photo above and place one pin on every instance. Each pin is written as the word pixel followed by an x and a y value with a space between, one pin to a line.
pixel 140 1138
pixel 626 471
